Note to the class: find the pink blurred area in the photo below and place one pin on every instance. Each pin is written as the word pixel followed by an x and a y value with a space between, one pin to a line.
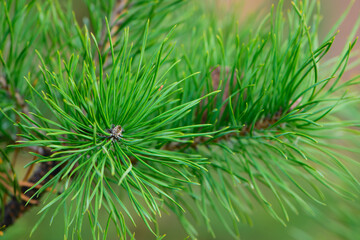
pixel 331 11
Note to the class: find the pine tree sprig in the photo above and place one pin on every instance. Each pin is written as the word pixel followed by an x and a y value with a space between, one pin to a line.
pixel 143 114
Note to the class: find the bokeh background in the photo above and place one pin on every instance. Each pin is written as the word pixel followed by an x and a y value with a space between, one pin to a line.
pixel 264 227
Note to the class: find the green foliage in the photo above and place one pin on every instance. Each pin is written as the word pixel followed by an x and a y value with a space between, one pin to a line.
pixel 340 222
pixel 275 96
pixel 14 48
pixel 205 117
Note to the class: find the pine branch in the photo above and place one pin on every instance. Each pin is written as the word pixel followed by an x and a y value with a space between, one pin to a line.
pixel 261 124
pixel 267 98
pixel 15 208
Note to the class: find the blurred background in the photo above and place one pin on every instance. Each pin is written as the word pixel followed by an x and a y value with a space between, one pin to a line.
pixel 264 227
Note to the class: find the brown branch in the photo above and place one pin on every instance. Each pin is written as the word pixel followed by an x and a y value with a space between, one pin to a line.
pixel 15 208
pixel 262 124
pixel 28 198
pixel 29 171
pixel 10 189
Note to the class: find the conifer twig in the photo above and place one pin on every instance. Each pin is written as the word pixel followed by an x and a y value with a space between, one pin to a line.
pixel 15 208
pixel 226 119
